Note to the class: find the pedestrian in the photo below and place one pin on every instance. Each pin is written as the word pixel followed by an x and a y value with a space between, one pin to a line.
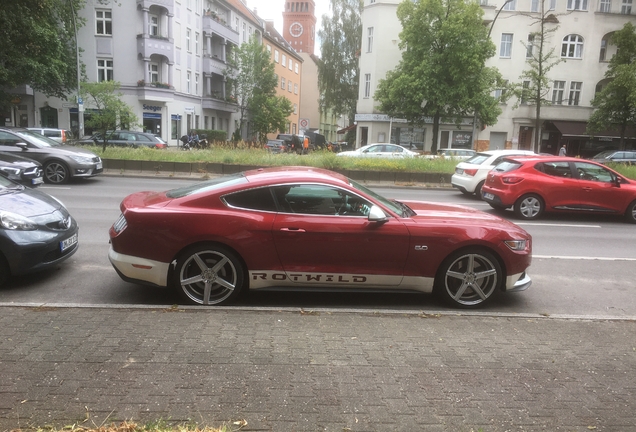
pixel 562 151
pixel 306 145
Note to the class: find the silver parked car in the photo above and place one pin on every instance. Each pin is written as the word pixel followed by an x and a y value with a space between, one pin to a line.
pixel 60 163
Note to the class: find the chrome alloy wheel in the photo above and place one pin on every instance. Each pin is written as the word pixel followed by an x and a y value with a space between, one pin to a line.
pixel 209 276
pixel 471 278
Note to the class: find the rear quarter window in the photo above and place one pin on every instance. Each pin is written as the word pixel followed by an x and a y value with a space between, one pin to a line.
pixel 506 166
pixel 254 199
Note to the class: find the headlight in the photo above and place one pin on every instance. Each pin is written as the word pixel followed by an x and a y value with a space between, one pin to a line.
pixel 12 221
pixel 516 245
pixel 11 170
pixel 82 159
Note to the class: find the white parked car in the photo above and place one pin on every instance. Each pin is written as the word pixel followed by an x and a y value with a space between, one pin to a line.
pixel 470 174
pixel 380 150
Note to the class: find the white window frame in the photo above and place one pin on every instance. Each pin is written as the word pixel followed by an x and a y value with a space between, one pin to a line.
pixel 558 88
pixel 626 7
pixel 511 6
pixel 196 83
pixel 153 25
pixel 282 83
pixel 580 5
pixel 553 4
pixel 605 6
pixel 283 60
pixel 574 98
pixel 105 18
pixel 370 39
pixel 276 54
pixel 188 81
pixel 505 46
pixel 534 6
pixel 196 43
pixel 153 72
pixel 367 86
pixel 188 37
pixel 530 45
pixel 105 70
pixel 572 47
pixel 290 64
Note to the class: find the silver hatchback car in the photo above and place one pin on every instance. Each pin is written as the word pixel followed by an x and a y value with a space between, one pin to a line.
pixel 60 163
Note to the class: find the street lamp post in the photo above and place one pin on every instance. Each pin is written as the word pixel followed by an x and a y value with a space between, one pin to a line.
pixel 80 102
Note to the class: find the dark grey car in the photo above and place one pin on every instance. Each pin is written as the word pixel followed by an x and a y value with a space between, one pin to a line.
pixel 616 156
pixel 21 170
pixel 124 138
pixel 60 163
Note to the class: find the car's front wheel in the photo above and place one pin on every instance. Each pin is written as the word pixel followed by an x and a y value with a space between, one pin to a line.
pixel 469 278
pixel 529 207
pixel 56 172
pixel 630 214
pixel 209 275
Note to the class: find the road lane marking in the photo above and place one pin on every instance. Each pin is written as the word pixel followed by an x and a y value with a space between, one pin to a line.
pixel 583 258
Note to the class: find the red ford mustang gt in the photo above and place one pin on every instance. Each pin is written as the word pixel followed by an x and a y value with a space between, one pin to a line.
pixel 308 228
pixel 533 185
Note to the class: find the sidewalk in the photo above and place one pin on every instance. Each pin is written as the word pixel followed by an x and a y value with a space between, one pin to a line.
pixel 311 370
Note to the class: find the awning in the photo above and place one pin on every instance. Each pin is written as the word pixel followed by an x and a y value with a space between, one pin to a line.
pixel 347 129
pixel 578 129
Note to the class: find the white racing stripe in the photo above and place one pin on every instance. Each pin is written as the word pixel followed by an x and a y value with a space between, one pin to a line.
pixel 583 258
pixel 556 225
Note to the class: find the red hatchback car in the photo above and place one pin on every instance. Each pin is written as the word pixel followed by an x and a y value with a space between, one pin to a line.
pixel 307 228
pixel 533 185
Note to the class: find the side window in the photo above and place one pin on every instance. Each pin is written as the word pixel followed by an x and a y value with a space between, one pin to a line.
pixel 7 139
pixel 143 138
pixel 320 200
pixel 590 172
pixel 556 169
pixel 255 199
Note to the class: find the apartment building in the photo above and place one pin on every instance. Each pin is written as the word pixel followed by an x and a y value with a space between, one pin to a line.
pixel 581 42
pixel 288 65
pixel 169 57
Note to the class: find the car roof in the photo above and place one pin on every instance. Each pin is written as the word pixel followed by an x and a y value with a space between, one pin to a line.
pixel 264 176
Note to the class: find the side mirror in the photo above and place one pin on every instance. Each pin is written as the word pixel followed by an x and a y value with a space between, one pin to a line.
pixel 23 146
pixel 376 214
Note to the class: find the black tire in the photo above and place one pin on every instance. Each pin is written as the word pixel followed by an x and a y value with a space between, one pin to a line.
pixel 630 214
pixel 529 207
pixel 469 278
pixel 497 207
pixel 56 172
pixel 5 273
pixel 478 189
pixel 209 275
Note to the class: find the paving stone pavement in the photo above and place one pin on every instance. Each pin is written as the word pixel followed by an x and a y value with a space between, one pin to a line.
pixel 315 370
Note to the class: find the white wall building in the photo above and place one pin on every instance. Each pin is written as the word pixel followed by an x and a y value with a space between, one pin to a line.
pixel 168 55
pixel 580 41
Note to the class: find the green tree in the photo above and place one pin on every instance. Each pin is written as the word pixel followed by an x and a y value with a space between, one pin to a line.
pixel 338 71
pixel 38 46
pixel 616 103
pixel 535 84
pixel 269 114
pixel 442 72
pixel 108 112
pixel 253 81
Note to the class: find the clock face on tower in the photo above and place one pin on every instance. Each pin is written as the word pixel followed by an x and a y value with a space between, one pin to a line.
pixel 296 29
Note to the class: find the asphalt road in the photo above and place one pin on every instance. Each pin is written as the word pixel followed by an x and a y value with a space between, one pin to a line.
pixel 583 266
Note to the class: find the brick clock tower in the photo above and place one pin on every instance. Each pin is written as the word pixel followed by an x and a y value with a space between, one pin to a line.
pixel 299 25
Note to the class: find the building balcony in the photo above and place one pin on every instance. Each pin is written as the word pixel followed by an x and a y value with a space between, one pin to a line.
pixel 148 45
pixel 215 103
pixel 213 65
pixel 215 25
pixel 168 4
pixel 158 92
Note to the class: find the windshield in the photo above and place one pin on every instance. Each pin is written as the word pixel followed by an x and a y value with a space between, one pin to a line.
pixel 395 206
pixel 217 183
pixel 604 155
pixel 36 139
pixel 7 186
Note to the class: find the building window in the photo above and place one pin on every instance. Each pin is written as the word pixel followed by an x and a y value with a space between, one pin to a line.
pixel 103 22
pixel 153 25
pixel 282 83
pixel 575 93
pixel 188 47
pixel 577 5
pixel 530 45
pixel 244 35
pixel 557 92
pixel 276 56
pixel 289 86
pixel 284 60
pixel 295 109
pixel 525 92
pixel 196 83
pixel 505 50
pixel 269 48
pixel 572 46
pixel 290 64
pixel 296 69
pixel 603 52
pixel 500 92
pixel 153 72
pixel 534 6
pixel 196 42
pixel 188 80
pixel 236 25
pixel 605 6
pixel 552 4
pixel 295 88
pixel 104 70
pixel 511 6
pixel 370 39
pixel 367 85
pixel 626 7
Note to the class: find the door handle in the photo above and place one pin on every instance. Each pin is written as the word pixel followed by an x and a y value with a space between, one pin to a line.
pixel 298 230
pixel 587 189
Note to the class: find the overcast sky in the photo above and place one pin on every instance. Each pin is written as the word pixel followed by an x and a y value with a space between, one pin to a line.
pixel 273 10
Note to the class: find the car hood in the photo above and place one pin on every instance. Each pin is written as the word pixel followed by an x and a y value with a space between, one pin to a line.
pixel 458 215
pixel 30 203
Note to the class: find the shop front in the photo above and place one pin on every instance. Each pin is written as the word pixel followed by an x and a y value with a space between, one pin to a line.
pixel 152 119
pixel 579 143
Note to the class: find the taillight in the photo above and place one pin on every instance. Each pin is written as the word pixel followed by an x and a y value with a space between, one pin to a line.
pixel 511 180
pixel 470 172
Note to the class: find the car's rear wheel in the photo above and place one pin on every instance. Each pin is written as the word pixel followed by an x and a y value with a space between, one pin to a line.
pixel 497 207
pixel 630 214
pixel 469 278
pixel 529 207
pixel 209 275
pixel 478 189
pixel 56 172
